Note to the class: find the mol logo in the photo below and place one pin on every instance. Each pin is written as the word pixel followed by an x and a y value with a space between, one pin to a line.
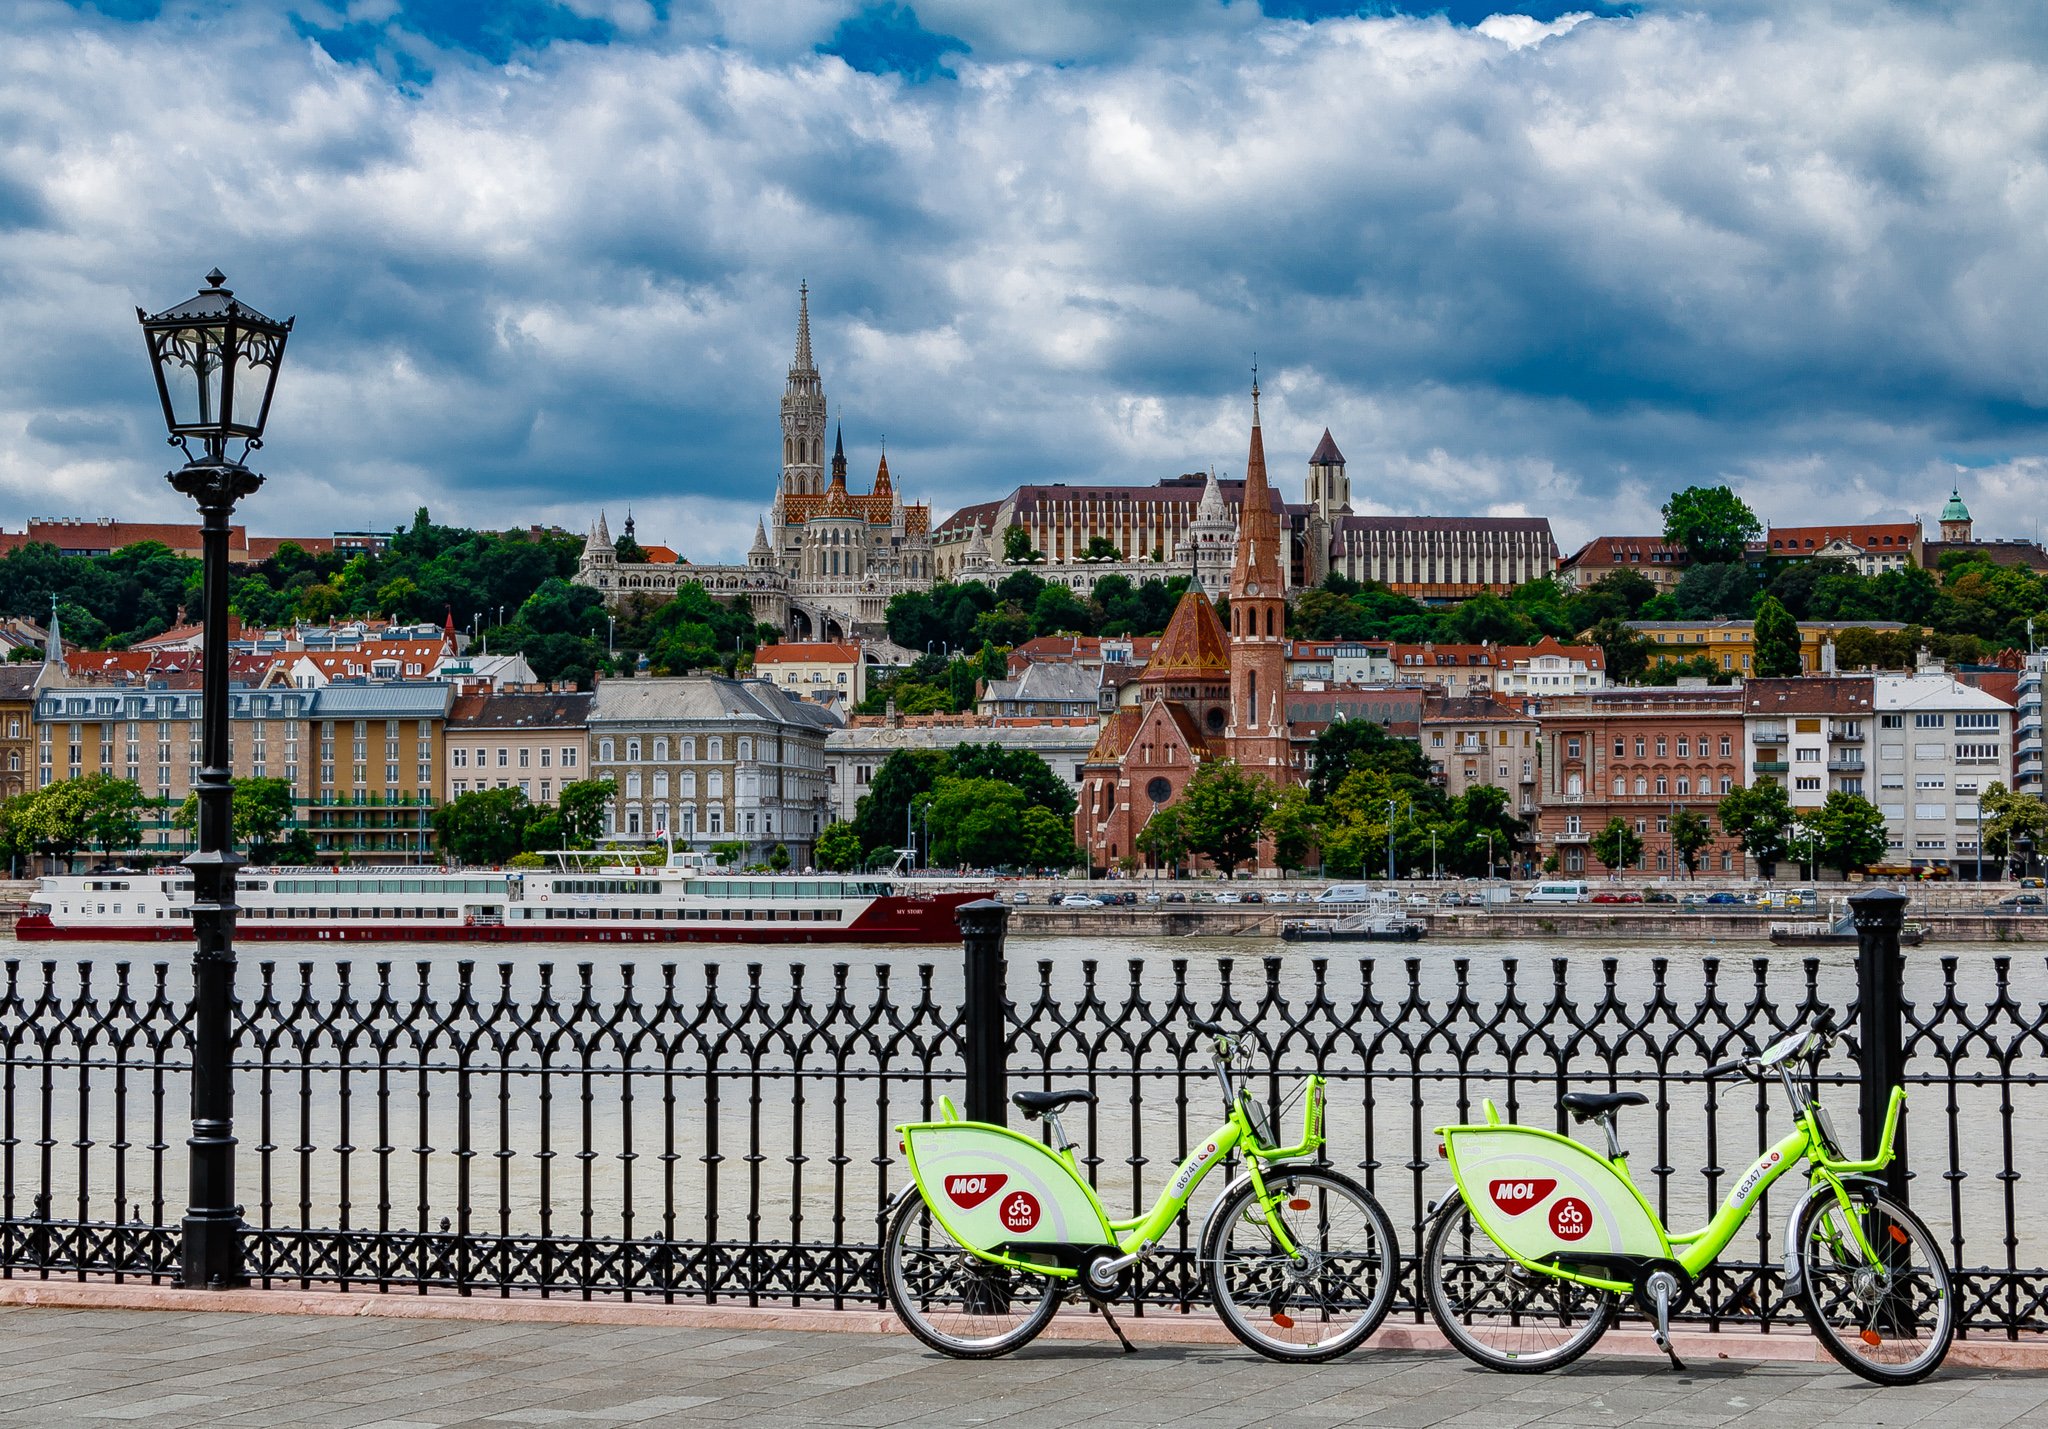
pixel 1515 1197
pixel 967 1192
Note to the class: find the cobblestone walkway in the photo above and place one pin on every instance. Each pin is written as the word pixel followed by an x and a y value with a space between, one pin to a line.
pixel 97 1367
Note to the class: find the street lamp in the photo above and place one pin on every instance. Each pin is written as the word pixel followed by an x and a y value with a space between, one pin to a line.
pixel 216 361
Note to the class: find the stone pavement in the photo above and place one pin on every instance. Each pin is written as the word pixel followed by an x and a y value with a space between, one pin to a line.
pixel 61 1367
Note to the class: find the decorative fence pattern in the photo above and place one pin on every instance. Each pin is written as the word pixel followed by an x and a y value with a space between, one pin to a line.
pixel 713 1133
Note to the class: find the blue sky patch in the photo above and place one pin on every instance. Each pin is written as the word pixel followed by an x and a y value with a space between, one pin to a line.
pixel 888 39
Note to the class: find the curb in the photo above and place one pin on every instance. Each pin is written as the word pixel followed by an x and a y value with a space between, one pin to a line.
pixel 1151 1331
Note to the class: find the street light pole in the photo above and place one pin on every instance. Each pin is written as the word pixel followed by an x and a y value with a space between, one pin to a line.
pixel 204 352
pixel 1390 840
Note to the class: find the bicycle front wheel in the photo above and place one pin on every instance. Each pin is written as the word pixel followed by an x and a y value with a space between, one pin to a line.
pixel 1891 1321
pixel 1497 1313
pixel 952 1299
pixel 1323 1301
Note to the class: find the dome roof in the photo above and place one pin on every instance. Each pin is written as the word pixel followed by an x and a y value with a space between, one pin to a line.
pixel 1955 510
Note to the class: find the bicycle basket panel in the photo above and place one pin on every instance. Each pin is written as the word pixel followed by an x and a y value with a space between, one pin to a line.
pixel 1540 1195
pixel 989 1187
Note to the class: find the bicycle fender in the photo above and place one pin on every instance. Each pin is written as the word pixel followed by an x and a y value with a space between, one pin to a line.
pixel 909 1190
pixel 1276 1168
pixel 1795 1282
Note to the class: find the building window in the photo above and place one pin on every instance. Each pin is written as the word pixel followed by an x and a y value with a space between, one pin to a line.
pixel 661 751
pixel 1929 721
pixel 632 751
pixel 461 758
pixel 569 756
pixel 604 750
pixel 1891 721
pixel 1663 785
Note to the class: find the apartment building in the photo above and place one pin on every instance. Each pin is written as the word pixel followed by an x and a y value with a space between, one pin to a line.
pixel 1640 755
pixel 706 760
pixel 1482 740
pixel 813 668
pixel 1548 668
pixel 1810 735
pixel 530 741
pixel 1940 744
pixel 853 754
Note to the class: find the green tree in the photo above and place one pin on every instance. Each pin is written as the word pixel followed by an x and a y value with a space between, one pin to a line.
pixel 1101 548
pixel 1017 545
pixel 1626 653
pixel 1347 746
pixel 1226 811
pixel 52 819
pixel 729 852
pixel 581 811
pixel 1048 839
pixel 975 823
pixel 903 776
pixel 1164 839
pixel 1294 826
pixel 1711 522
pixel 1023 768
pixel 484 828
pixel 1777 641
pixel 263 810
pixel 1760 819
pixel 1690 835
pixel 778 858
pixel 112 812
pixel 1850 832
pixel 839 848
pixel 2011 817
pixel 1618 846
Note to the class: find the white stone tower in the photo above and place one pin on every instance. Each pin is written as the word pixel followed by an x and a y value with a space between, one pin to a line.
pixel 803 412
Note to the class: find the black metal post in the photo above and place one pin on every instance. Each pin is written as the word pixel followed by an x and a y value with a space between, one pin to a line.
pixel 1881 1019
pixel 985 1014
pixel 212 1252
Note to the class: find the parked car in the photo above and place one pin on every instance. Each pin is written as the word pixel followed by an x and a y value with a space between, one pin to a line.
pixel 1255 897
pixel 1452 899
pixel 1080 900
pixel 2020 903
pixel 1279 895
pixel 1658 895
pixel 1176 897
pixel 1617 895
pixel 1020 897
pixel 2033 883
pixel 1152 898
pixel 1228 898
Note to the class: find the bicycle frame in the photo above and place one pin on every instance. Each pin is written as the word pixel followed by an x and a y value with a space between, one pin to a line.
pixel 985 1234
pixel 1809 1143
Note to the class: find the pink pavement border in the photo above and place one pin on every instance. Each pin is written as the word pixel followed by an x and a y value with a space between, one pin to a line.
pixel 2029 1354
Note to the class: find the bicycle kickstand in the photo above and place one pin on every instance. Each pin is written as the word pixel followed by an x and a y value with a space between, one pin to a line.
pixel 1114 1328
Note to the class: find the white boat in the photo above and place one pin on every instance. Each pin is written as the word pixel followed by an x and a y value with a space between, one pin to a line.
pixel 582 899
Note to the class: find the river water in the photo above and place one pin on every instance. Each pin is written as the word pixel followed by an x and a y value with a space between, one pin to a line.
pixel 723 1094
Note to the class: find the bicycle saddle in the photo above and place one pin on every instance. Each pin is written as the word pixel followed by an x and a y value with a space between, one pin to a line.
pixel 1039 1103
pixel 1584 1106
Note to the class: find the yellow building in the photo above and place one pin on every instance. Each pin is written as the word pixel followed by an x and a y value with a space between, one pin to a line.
pixel 1730 645
pixel 810 668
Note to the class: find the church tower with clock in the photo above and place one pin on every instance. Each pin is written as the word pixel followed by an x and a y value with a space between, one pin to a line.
pixel 1256 735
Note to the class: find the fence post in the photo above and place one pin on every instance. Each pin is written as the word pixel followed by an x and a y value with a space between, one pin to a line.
pixel 984 1023
pixel 1881 1019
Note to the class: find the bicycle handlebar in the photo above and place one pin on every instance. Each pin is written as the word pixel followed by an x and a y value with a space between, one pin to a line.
pixel 1728 1069
pixel 1211 1029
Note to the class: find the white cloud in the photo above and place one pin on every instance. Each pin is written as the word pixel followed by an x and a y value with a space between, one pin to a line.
pixel 1511 268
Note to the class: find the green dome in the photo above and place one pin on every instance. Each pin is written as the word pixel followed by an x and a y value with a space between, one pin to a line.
pixel 1955 510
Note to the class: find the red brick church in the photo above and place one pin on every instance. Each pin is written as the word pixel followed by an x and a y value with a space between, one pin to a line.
pixel 1205 693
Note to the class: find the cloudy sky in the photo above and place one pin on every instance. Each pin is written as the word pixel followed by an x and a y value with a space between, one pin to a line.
pixel 545 255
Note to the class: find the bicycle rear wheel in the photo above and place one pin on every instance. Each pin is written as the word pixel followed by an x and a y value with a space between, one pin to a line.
pixel 1499 1314
pixel 1890 1322
pixel 1330 1299
pixel 952 1299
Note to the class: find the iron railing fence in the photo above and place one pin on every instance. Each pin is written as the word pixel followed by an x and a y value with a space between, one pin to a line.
pixel 715 1133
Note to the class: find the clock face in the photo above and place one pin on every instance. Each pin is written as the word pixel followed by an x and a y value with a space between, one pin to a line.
pixel 1251 588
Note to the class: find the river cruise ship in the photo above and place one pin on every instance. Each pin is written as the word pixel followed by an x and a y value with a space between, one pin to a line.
pixel 577 901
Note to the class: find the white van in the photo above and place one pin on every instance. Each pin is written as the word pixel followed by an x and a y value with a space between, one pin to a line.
pixel 1357 893
pixel 1553 892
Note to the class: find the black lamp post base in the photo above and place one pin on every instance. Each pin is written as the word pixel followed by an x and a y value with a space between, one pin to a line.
pixel 211 1258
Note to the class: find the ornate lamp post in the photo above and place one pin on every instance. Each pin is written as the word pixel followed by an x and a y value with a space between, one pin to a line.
pixel 216 362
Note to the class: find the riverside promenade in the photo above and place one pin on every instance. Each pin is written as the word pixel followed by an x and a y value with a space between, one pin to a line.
pixel 398 1365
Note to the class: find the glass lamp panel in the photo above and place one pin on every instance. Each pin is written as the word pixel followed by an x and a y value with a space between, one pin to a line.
pixel 190 359
pixel 254 374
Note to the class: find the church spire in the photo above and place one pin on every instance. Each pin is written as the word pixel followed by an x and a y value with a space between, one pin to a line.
pixel 801 365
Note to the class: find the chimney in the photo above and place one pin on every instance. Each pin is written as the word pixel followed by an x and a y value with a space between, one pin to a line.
pixel 1827 656
pixel 889 716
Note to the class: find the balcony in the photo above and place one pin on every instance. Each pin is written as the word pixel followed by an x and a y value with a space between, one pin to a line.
pixel 1528 776
pixel 1528 808
pixel 1768 734
pixel 2030 763
pixel 1845 734
pixel 1581 837
pixel 1843 765
pixel 1771 766
pixel 2030 723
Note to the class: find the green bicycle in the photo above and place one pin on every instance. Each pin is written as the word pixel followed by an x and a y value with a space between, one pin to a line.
pixel 997 1228
pixel 1524 1267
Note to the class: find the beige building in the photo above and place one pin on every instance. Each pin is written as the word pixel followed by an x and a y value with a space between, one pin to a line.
pixel 1482 739
pixel 810 668
pixel 533 742
pixel 709 760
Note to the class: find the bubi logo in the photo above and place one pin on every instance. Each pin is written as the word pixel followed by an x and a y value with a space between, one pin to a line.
pixel 1515 1197
pixel 967 1192
pixel 1020 1211
pixel 1570 1219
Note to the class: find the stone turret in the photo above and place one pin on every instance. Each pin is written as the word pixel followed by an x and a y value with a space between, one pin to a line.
pixel 803 412
pixel 1955 517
